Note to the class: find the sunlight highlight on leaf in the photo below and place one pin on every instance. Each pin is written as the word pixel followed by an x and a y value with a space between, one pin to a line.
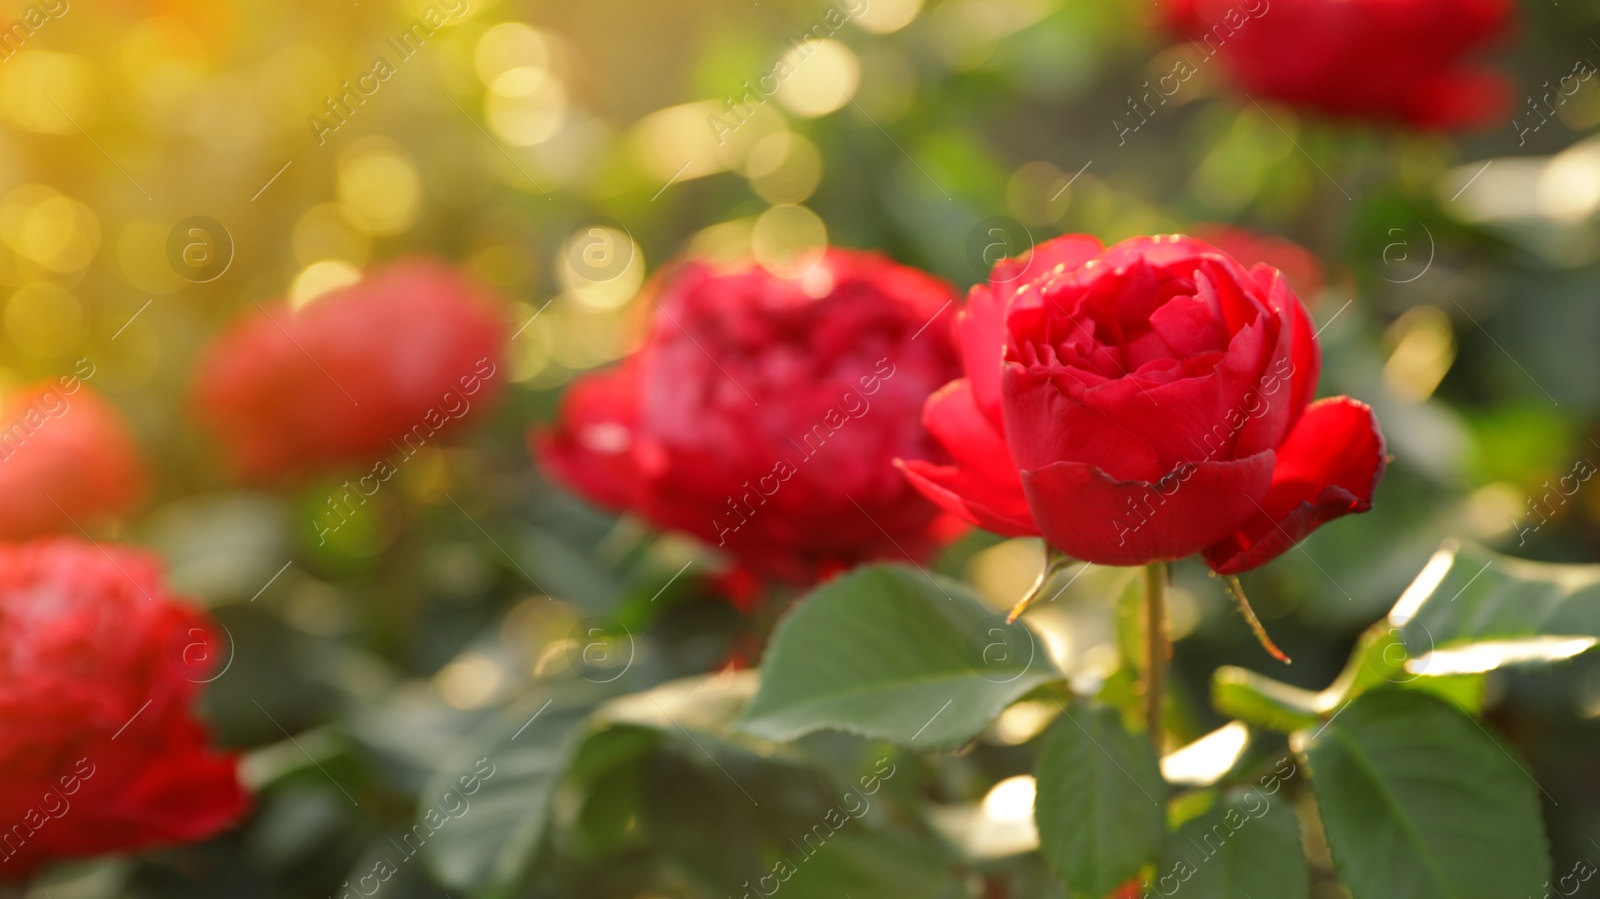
pixel 1204 762
pixel 1480 657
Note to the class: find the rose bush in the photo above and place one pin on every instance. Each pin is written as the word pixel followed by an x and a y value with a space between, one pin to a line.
pixel 66 457
pixel 98 739
pixel 1388 60
pixel 397 357
pixel 762 414
pixel 1143 403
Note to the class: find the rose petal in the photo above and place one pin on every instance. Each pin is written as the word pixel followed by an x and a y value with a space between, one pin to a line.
pixel 1282 389
pixel 1467 97
pixel 981 330
pixel 1090 515
pixel 1266 253
pixel 193 796
pixel 1045 424
pixel 956 491
pixel 1065 253
pixel 981 325
pixel 1158 250
pixel 1224 283
pixel 592 449
pixel 1138 427
pixel 1306 353
pixel 1188 327
pixel 983 486
pixel 1329 467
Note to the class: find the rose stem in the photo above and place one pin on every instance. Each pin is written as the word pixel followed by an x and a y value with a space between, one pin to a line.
pixel 1158 647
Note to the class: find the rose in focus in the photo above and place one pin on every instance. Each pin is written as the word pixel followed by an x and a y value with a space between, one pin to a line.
pixel 98 738
pixel 763 413
pixel 66 457
pixel 1142 403
pixel 1386 60
pixel 350 375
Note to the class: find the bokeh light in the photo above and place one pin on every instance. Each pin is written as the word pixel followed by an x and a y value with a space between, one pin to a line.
pixel 788 240
pixel 825 76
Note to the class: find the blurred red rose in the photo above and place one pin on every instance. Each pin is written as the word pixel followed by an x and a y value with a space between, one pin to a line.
pixel 1143 403
pixel 354 374
pixel 1299 265
pixel 98 740
pixel 66 457
pixel 763 413
pixel 1388 60
pixel 1129 890
pixel 740 588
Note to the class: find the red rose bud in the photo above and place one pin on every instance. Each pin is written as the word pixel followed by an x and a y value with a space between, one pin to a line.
pixel 99 743
pixel 1386 60
pixel 382 365
pixel 67 458
pixel 763 414
pixel 1142 403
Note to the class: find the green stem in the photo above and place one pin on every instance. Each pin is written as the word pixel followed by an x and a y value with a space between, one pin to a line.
pixel 1158 648
pixel 1054 562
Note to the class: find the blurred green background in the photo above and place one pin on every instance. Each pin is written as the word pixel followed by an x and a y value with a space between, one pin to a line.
pixel 1467 314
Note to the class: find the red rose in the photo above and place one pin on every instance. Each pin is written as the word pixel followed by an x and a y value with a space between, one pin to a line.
pixel 1145 402
pixel 98 740
pixel 66 457
pixel 763 414
pixel 381 365
pixel 1390 60
pixel 1298 265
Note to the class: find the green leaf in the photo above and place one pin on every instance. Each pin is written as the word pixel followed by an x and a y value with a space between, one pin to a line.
pixel 1247 845
pixel 1380 659
pixel 486 849
pixel 867 864
pixel 705 703
pixel 1257 699
pixel 1469 611
pixel 710 800
pixel 1207 760
pixel 1472 610
pixel 895 654
pixel 1419 801
pixel 1100 799
pixel 697 714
